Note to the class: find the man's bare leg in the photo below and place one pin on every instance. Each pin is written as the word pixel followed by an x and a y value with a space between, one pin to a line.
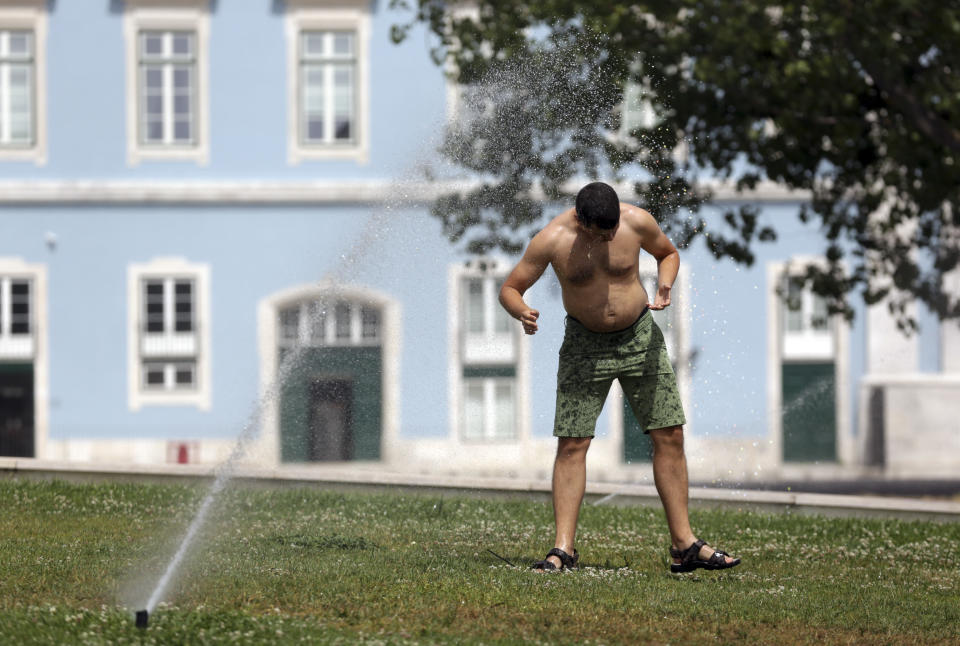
pixel 670 477
pixel 569 483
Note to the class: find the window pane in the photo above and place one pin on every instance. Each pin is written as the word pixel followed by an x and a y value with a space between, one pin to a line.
pixel 318 323
pixel 154 130
pixel 154 105
pixel 153 300
pixel 183 374
pixel 314 100
pixel 342 128
pixel 343 43
pixel 153 375
pixel 370 319
pixel 315 129
pixel 342 317
pixel 183 295
pixel 20 44
pixel 474 309
pixel 819 315
pixel 793 317
pixel 290 324
pixel 152 43
pixel 343 102
pixel 182 44
pixel 181 131
pixel 315 78
pixel 473 409
pixel 313 43
pixel 181 105
pixel 504 414
pixel 20 130
pixel 19 307
pixel 20 99
pixel 153 78
pixel 181 78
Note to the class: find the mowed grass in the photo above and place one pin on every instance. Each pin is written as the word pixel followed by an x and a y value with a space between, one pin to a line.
pixel 311 566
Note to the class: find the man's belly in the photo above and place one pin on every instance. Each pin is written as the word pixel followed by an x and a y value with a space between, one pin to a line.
pixel 605 308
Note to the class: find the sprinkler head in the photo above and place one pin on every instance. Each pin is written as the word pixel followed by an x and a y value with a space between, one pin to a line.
pixel 142 616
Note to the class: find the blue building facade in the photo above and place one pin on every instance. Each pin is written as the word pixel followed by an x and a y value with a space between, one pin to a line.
pixel 210 219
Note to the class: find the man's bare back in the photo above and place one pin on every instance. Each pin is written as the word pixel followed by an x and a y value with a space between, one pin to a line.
pixel 597 269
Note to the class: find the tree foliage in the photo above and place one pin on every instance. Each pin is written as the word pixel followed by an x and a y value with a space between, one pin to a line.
pixel 856 102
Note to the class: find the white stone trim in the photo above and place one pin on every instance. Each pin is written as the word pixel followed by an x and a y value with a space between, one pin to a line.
pixel 950 329
pixel 200 396
pixel 496 268
pixel 36 272
pixel 314 192
pixel 306 15
pixel 267 447
pixel 32 15
pixel 845 447
pixel 187 15
pixel 774 363
pixel 374 191
pixel 916 379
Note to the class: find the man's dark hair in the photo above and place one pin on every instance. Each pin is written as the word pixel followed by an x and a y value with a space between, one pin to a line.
pixel 597 203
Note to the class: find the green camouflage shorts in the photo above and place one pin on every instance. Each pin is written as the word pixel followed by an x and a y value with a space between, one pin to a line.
pixel 590 361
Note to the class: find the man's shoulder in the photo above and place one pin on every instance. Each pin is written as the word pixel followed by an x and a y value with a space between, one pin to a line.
pixel 558 227
pixel 633 213
pixel 552 236
pixel 638 219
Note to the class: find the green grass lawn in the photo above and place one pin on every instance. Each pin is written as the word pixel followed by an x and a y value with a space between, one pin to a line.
pixel 309 566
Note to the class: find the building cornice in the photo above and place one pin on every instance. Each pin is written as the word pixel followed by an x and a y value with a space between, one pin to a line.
pixel 52 192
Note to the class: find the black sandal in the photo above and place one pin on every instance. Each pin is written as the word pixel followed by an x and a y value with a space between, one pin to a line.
pixel 690 559
pixel 567 562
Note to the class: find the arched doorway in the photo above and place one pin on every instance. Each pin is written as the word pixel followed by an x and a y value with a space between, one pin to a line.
pixel 333 365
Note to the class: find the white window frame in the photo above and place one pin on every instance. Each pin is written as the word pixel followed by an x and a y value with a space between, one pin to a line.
pixel 316 15
pixel 489 412
pixel 17 347
pixel 636 110
pixel 488 348
pixel 30 15
pixel 839 334
pixel 17 269
pixel 269 334
pixel 183 16
pixel 169 348
pixel 328 336
pixel 166 63
pixel 808 343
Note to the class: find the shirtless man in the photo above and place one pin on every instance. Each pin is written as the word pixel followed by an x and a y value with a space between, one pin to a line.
pixel 610 334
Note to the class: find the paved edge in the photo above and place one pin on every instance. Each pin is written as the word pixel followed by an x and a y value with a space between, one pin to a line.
pixel 371 478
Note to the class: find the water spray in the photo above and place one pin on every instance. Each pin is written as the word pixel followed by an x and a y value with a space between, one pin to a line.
pixel 225 471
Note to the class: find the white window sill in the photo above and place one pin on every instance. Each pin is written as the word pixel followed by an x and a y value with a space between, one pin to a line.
pixel 332 152
pixel 489 349
pixel 170 398
pixel 808 347
pixel 194 154
pixel 25 154
pixel 16 347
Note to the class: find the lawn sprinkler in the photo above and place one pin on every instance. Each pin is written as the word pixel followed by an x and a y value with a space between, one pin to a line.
pixel 142 617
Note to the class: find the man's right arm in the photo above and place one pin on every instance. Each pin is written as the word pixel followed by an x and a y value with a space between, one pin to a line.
pixel 524 275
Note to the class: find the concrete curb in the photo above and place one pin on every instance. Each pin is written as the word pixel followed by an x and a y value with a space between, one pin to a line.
pixel 372 478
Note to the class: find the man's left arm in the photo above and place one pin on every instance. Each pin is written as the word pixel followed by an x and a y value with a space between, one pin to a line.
pixel 658 245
